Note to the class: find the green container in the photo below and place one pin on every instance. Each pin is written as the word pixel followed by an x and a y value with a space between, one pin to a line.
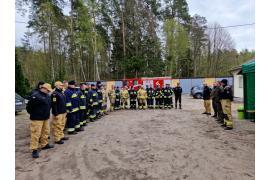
pixel 241 112
pixel 248 71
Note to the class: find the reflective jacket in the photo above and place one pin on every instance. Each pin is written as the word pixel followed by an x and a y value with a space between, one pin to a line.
pixel 58 100
pixel 39 106
pixel 167 92
pixel 72 100
pixel 150 92
pixel 99 93
pixel 124 94
pixel 82 96
pixel 133 94
pixel 93 98
pixel 158 93
pixel 142 94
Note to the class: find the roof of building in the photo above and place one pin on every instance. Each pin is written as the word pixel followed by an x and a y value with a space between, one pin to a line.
pixel 238 68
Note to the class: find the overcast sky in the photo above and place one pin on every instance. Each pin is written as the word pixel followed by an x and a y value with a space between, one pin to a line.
pixel 225 12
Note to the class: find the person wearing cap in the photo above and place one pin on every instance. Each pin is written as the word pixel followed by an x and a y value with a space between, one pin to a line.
pixel 124 97
pixel 83 104
pixel 158 97
pixel 150 96
pixel 142 96
pixel 226 99
pixel 58 100
pixel 133 97
pixel 72 105
pixel 112 97
pixel 39 107
pixel 93 103
pixel 178 95
pixel 117 98
pixel 206 99
pixel 167 92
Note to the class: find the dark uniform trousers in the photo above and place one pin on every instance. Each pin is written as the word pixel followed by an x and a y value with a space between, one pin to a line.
pixel 150 102
pixel 178 98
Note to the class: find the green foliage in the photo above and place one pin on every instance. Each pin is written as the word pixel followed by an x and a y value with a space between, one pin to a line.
pixel 21 83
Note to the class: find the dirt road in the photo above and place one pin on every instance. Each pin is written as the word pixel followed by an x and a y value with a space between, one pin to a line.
pixel 144 145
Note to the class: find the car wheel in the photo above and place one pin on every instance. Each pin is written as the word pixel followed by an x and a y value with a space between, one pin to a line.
pixel 198 96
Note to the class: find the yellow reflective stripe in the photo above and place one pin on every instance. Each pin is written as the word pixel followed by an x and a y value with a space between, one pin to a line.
pixel 95 103
pixel 82 107
pixel 92 116
pixel 82 96
pixel 75 109
pixel 74 95
pixel 100 101
pixel 94 94
pixel 81 123
pixel 77 126
pixel 68 104
pixel 71 129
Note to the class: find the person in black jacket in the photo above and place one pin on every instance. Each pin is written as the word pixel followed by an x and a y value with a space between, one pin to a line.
pixel 206 98
pixel 39 107
pixel 178 95
pixel 59 110
pixel 82 93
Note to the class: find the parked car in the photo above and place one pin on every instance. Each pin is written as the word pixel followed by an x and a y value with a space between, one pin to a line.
pixel 20 103
pixel 197 92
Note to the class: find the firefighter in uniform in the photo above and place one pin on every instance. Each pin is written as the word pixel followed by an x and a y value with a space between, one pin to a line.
pixel 142 96
pixel 117 98
pixel 83 104
pixel 178 95
pixel 104 100
pixel 72 104
pixel 112 96
pixel 226 99
pixel 167 95
pixel 150 97
pixel 158 97
pixel 99 108
pixel 93 103
pixel 132 97
pixel 39 107
pixel 124 97
pixel 206 99
pixel 214 98
pixel 58 100
pixel 220 116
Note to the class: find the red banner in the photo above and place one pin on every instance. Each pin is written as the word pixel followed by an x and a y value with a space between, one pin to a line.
pixel 158 82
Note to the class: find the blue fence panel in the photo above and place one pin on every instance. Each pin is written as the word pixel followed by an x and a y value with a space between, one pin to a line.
pixel 119 84
pixel 196 82
pixel 186 85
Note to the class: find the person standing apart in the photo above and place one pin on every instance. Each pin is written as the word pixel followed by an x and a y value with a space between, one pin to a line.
pixel 178 95
pixel 58 100
pixel 39 107
pixel 206 99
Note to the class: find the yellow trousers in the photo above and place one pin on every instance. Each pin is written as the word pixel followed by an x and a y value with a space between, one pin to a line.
pixel 142 104
pixel 124 102
pixel 58 125
pixel 39 132
pixel 207 106
pixel 227 110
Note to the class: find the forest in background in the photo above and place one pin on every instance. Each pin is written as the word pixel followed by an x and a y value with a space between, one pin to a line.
pixel 88 40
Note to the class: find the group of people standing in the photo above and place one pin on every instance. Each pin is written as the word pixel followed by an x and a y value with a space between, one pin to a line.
pixel 73 107
pixel 221 96
pixel 150 97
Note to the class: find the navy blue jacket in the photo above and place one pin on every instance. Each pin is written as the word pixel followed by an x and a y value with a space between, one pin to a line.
pixel 82 96
pixel 72 100
pixel 206 93
pixel 167 92
pixel 39 106
pixel 58 102
pixel 177 91
pixel 93 98
pixel 150 92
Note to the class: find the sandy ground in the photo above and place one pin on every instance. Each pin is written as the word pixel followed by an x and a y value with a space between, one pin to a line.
pixel 144 145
